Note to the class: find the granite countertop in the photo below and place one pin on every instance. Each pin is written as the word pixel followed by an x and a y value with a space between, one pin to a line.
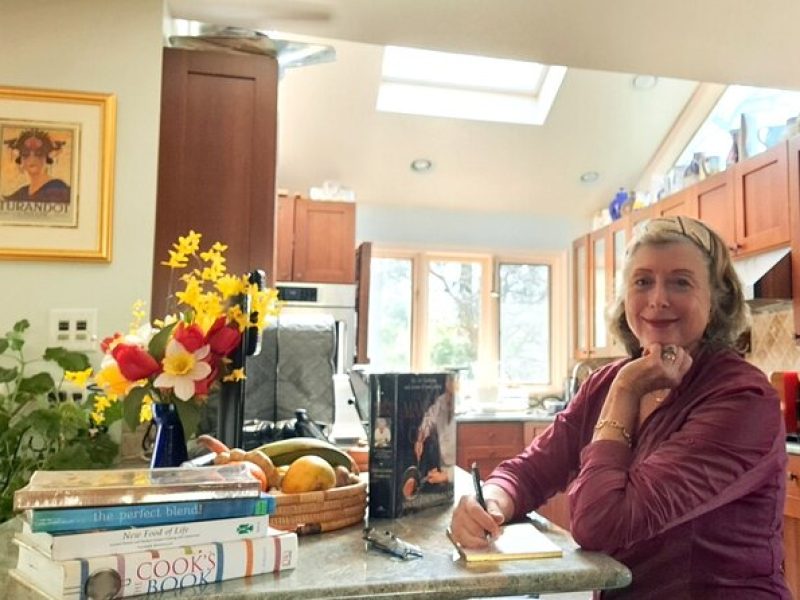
pixel 505 415
pixel 338 565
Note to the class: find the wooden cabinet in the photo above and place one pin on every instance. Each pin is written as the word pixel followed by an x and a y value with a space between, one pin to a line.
pixel 489 443
pixel 681 204
pixel 216 167
pixel 315 241
pixel 581 307
pixel 791 526
pixel 599 258
pixel 794 222
pixel 761 197
pixel 597 268
pixel 715 205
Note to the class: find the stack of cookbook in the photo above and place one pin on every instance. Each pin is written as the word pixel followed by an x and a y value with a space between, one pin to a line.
pixel 116 533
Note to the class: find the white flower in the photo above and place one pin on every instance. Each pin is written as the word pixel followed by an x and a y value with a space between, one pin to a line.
pixel 182 368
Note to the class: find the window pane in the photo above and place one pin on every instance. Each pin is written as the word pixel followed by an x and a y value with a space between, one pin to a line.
pixel 390 293
pixel 454 314
pixel 524 323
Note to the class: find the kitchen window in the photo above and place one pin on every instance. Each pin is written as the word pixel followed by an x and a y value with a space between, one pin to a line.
pixel 491 316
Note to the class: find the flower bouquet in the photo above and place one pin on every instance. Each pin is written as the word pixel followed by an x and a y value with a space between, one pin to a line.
pixel 175 362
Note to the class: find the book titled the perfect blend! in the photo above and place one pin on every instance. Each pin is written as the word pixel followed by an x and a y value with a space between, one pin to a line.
pixel 71 520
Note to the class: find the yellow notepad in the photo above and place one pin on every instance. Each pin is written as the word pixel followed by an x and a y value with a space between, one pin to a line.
pixel 516 541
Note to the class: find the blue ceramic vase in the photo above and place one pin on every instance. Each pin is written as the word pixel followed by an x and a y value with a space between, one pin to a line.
pixel 169 448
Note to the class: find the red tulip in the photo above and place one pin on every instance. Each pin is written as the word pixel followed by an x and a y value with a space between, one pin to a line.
pixel 190 336
pixel 224 340
pixel 134 362
pixel 202 386
pixel 109 342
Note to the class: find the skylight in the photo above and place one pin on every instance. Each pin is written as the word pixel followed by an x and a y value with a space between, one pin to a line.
pixel 461 86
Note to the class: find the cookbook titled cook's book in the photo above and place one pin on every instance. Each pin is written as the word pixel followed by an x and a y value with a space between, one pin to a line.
pixel 69 489
pixel 517 541
pixel 122 575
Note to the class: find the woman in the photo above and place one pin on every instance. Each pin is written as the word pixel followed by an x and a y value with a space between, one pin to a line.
pixel 34 148
pixel 675 457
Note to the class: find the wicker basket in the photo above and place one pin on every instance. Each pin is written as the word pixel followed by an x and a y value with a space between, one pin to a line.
pixel 312 512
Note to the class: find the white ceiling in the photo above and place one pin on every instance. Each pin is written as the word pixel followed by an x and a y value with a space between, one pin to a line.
pixel 329 129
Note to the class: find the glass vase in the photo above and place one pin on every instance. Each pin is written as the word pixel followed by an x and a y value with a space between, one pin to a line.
pixel 169 448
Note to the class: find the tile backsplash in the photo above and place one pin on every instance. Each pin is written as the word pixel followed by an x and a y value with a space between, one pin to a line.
pixel 772 340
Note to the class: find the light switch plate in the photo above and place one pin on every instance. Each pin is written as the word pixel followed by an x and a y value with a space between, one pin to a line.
pixel 73 328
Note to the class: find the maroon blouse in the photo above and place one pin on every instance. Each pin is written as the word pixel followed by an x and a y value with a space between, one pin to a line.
pixel 695 508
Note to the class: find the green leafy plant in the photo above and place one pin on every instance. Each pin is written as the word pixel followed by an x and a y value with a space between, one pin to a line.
pixel 41 427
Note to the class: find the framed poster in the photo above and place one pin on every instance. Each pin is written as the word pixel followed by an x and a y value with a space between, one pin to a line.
pixel 56 174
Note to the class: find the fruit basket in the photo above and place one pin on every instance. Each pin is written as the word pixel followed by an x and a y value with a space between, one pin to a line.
pixel 314 512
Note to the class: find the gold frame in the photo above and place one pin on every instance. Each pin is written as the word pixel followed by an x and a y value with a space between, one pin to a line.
pixel 90 240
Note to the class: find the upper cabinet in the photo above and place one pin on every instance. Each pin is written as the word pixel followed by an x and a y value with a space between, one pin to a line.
pixel 216 167
pixel 794 224
pixel 315 241
pixel 761 196
pixel 715 205
pixel 754 206
pixel 597 269
pixel 581 316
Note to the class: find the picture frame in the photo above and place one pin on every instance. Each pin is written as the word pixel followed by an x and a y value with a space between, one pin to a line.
pixel 56 174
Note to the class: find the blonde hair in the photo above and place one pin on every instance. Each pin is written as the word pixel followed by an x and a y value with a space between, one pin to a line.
pixel 730 315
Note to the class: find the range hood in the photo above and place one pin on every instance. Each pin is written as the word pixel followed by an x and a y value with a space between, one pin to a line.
pixel 289 53
pixel 767 277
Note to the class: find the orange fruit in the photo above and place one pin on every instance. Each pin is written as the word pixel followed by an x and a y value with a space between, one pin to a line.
pixel 308 473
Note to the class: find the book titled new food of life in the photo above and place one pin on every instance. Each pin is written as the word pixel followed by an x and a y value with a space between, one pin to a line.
pixel 123 575
pixel 63 520
pixel 66 546
pixel 516 541
pixel 68 489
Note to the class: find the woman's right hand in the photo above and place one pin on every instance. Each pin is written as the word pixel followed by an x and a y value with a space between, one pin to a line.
pixel 651 372
pixel 470 524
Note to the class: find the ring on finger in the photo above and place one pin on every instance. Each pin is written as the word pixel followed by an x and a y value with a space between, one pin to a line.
pixel 669 353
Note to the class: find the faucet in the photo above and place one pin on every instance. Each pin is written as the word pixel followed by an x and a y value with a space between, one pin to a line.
pixel 580 371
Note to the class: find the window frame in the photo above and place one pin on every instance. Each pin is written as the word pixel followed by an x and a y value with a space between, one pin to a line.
pixel 487 374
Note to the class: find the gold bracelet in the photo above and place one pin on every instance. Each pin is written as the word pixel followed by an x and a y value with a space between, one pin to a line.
pixel 615 425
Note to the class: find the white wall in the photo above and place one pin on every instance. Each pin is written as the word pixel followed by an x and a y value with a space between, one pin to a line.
pixel 94 46
pixel 459 230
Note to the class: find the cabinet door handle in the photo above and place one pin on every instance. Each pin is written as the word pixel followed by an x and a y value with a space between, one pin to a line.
pixel 792 477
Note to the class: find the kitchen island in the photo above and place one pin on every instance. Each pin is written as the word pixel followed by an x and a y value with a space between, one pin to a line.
pixel 338 565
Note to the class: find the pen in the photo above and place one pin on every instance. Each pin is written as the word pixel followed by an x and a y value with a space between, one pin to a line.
pixel 476 480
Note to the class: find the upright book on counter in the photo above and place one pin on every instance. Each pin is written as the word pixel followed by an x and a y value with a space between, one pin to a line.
pixel 137 573
pixel 412 442
pixel 66 546
pixel 67 489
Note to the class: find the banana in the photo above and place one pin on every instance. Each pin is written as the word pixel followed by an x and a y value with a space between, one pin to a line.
pixel 284 452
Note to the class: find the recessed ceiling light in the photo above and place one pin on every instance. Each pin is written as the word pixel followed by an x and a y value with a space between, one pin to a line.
pixel 420 165
pixel 590 177
pixel 645 82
